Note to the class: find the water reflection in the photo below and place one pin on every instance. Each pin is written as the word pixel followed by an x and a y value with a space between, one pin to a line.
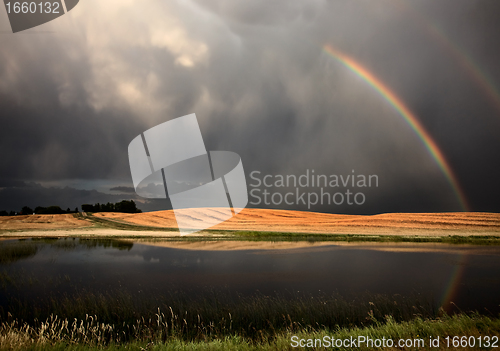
pixel 467 276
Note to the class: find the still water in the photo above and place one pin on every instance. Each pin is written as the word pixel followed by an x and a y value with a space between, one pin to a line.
pixel 468 276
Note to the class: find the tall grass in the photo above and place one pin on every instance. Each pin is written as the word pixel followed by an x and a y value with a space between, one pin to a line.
pixel 120 317
pixel 90 334
pixel 12 251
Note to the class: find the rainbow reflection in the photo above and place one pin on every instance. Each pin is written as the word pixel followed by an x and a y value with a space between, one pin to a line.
pixel 454 281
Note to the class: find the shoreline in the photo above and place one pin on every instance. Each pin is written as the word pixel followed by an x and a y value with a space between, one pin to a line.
pixel 240 237
pixel 265 225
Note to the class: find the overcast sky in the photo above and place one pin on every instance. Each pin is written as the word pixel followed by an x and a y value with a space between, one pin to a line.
pixel 75 91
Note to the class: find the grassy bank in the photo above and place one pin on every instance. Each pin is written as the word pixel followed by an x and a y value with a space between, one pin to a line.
pixel 88 334
pixel 445 239
pixel 203 315
pixel 119 318
pixel 214 321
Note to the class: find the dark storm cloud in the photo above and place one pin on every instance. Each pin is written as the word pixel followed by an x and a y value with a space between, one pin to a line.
pixel 123 189
pixel 256 76
pixel 49 142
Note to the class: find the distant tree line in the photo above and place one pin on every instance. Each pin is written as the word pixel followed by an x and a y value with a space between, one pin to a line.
pixel 5 213
pixel 38 210
pixel 122 206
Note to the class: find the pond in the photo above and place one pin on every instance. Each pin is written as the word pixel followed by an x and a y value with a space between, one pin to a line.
pixel 466 277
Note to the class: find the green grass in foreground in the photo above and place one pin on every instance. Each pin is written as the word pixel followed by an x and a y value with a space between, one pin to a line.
pixel 120 321
pixel 51 336
pixel 208 314
pixel 121 318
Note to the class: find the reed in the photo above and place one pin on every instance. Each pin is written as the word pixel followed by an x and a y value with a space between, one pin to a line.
pixel 91 334
pixel 11 251
pixel 117 317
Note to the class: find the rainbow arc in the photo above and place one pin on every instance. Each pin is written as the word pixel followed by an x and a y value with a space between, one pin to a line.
pixel 407 115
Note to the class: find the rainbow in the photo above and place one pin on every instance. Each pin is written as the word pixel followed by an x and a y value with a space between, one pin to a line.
pixel 408 116
pixel 464 60
pixel 453 283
